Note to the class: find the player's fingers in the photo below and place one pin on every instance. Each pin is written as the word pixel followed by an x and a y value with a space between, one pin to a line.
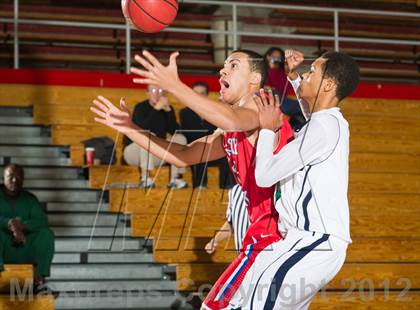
pixel 258 102
pixel 141 72
pixel 144 81
pixel 263 97
pixel 172 59
pixel 98 112
pixel 152 59
pixel 106 102
pixel 270 97
pixel 277 101
pixel 123 105
pixel 144 62
pixel 100 120
pixel 100 105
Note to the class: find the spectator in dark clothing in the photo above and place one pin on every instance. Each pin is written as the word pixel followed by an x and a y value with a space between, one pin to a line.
pixel 157 116
pixel 25 237
pixel 277 80
pixel 194 127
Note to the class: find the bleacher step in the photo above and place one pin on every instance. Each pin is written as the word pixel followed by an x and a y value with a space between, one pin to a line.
pixel 78 286
pixel 13 111
pixel 50 173
pixel 66 195
pixel 112 301
pixel 56 184
pixel 84 219
pixel 21 131
pixel 105 257
pixel 33 151
pixel 79 244
pixel 16 120
pixel 107 271
pixel 16 140
pixel 75 231
pixel 40 161
pixel 76 206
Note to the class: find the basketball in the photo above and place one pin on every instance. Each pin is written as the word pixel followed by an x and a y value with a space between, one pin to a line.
pixel 150 15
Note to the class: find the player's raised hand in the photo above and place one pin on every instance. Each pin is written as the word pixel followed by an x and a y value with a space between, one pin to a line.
pixel 155 73
pixel 293 59
pixel 110 115
pixel 269 112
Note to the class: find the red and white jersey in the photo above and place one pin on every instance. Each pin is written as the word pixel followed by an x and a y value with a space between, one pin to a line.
pixel 240 153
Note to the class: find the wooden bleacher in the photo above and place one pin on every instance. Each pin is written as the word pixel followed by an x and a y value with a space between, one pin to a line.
pixel 383 195
pixel 15 290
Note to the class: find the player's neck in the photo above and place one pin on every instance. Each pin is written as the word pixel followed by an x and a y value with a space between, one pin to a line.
pixel 325 103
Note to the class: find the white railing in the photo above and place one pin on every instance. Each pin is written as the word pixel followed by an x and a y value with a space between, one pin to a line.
pixel 235 33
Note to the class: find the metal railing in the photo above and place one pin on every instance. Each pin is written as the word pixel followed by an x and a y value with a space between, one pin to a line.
pixel 235 33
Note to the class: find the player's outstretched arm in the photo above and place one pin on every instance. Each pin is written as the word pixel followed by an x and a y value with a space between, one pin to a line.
pixel 207 148
pixel 217 113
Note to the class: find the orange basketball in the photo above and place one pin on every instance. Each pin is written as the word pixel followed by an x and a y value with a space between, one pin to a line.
pixel 150 15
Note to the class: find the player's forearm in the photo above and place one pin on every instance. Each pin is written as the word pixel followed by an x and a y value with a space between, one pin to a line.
pixel 172 153
pixel 217 113
pixel 224 233
pixel 272 168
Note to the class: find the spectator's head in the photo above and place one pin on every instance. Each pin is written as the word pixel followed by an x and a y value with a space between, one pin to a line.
pixel 201 88
pixel 13 179
pixel 155 93
pixel 332 77
pixel 274 57
pixel 243 73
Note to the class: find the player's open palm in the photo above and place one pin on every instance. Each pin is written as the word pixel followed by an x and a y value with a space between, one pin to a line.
pixel 293 59
pixel 110 115
pixel 154 73
pixel 269 113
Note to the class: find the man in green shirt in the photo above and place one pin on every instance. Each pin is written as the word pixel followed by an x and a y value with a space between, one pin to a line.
pixel 24 235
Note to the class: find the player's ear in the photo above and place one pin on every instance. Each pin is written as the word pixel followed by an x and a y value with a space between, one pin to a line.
pixel 329 85
pixel 255 78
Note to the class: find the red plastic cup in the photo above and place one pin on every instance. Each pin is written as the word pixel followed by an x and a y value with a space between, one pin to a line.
pixel 90 155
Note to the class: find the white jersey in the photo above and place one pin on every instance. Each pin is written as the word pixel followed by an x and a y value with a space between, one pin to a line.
pixel 313 175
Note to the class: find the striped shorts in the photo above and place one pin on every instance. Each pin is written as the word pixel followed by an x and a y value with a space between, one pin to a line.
pixel 228 283
pixel 289 276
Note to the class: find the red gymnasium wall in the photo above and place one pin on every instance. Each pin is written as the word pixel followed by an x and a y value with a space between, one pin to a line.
pixel 120 80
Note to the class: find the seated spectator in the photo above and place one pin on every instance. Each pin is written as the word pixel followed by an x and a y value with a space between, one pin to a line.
pixel 157 116
pixel 25 237
pixel 194 127
pixel 277 80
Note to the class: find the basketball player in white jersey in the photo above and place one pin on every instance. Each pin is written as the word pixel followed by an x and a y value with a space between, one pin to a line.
pixel 312 173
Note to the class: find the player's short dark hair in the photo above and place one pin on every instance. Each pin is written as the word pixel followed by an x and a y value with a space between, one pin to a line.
pixel 257 63
pixel 202 84
pixel 344 70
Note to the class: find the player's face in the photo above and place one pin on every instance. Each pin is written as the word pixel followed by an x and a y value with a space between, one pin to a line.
pixel 310 84
pixel 235 78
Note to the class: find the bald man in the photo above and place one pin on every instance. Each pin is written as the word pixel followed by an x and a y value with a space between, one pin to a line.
pixel 24 235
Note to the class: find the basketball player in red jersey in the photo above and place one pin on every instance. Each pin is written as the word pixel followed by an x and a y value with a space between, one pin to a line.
pixel 236 116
